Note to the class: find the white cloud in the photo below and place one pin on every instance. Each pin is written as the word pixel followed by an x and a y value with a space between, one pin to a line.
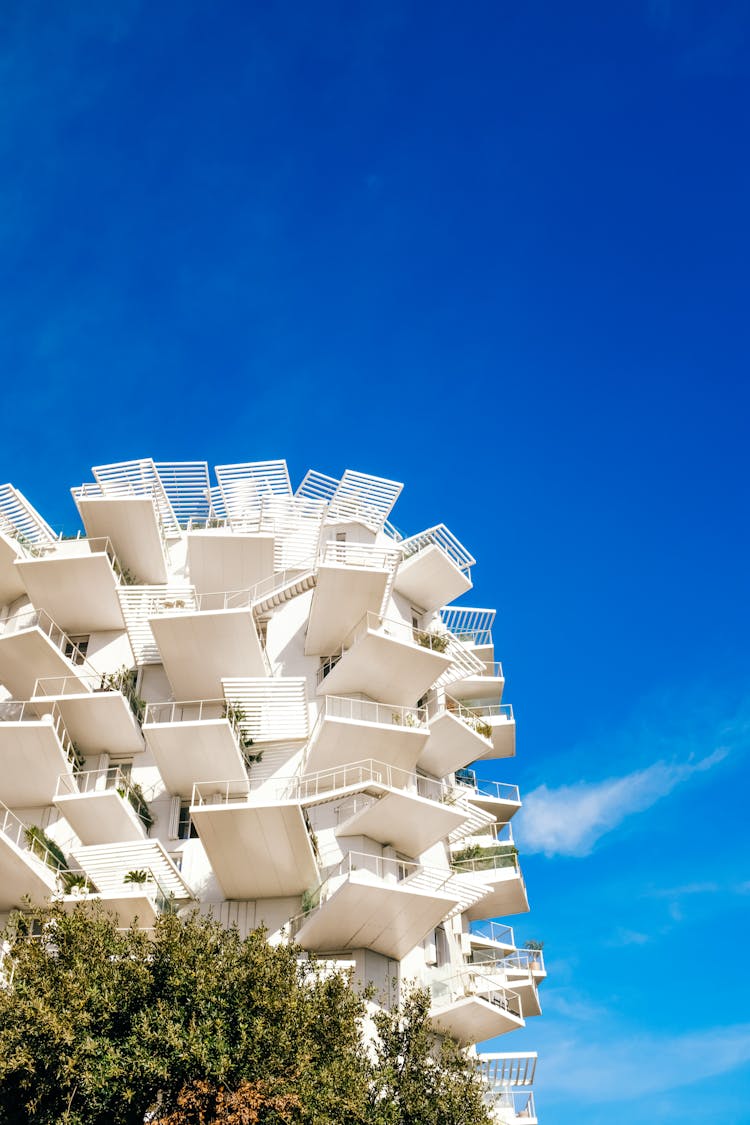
pixel 570 819
pixel 600 1070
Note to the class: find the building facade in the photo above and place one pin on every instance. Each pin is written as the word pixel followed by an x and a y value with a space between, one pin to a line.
pixel 260 701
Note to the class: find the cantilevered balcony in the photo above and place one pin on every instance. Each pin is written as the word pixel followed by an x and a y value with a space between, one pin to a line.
pixel 498 717
pixel 483 686
pixel 351 579
pixel 34 750
pixel 193 741
pixel 389 805
pixel 507 1077
pixel 133 524
pixel 386 731
pixel 33 645
pixel 496 869
pixel 435 570
pixel 488 940
pixel 473 627
pixel 386 660
pixel 522 970
pixel 76 583
pixel 101 711
pixel 103 806
pixel 496 797
pixel 23 534
pixel 136 880
pixel 457 736
pixel 470 1007
pixel 387 905
pixel 257 838
pixel 510 1107
pixel 203 643
pixel 27 866
pixel 222 559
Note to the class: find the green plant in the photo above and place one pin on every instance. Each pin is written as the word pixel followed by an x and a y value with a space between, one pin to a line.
pixel 139 877
pixel 438 642
pixel 45 848
pixel 134 794
pixel 75 880
pixel 538 946
pixel 483 728
pixel 309 901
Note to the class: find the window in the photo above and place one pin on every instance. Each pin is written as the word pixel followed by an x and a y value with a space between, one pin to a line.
pixel 186 830
pixel 76 648
pixel 341 537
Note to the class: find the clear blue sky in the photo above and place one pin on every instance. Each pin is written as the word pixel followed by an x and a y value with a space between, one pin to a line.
pixel 499 252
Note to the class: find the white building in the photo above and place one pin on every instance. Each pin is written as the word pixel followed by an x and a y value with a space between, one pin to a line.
pixel 259 701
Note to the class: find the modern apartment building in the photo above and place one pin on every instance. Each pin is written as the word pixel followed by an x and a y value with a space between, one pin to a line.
pixel 228 694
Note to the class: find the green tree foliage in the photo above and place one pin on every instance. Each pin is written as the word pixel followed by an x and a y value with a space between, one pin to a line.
pixel 194 1025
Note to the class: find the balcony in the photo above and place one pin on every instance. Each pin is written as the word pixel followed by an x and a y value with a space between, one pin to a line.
pixel 484 685
pixel 386 660
pixel 489 940
pixel 471 1007
pixel 100 712
pixel 11 586
pixel 435 570
pixel 137 880
pixel 522 970
pixel 471 627
pixel 133 525
pixel 103 806
pixel 457 736
pixel 256 837
pixel 31 646
pixel 497 870
pixel 496 797
pixel 392 806
pixel 34 750
pixel 371 902
pixel 23 534
pixel 506 1077
pixel 512 1106
pixel 193 741
pixel 351 580
pixel 502 724
pixel 76 583
pixel 201 644
pixel 28 868
pixel 386 731
pixel 222 559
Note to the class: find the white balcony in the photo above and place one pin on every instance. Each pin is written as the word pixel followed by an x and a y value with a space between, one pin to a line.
pixel 499 872
pixel 351 580
pixel 100 712
pixel 32 645
pixel 385 731
pixel 498 717
pixel 387 905
pixel 470 1007
pixel 193 741
pixel 102 806
pixel 514 1107
pixel 34 750
pixel 28 869
pixel 202 645
pixel 257 839
pixel 483 686
pixel 392 806
pixel 489 940
pixel 23 534
pixel 506 1077
pixel 435 570
pixel 496 797
pixel 386 660
pixel 522 970
pixel 457 736
pixel 133 525
pixel 76 582
pixel 220 559
pixel 137 880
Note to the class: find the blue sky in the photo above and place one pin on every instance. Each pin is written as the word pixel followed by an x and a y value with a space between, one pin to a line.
pixel 499 253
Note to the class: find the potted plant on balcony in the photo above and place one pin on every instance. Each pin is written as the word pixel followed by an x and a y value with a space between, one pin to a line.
pixel 138 877
pixel 535 960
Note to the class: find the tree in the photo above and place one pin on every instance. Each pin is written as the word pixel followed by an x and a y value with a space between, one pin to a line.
pixel 193 1025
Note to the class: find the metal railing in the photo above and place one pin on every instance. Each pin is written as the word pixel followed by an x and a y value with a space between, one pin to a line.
pixel 364 555
pixel 470 626
pixel 438 703
pixel 493 835
pixel 27 711
pixel 518 1102
pixel 521 960
pixel 493 931
pixel 469 982
pixel 22 836
pixel 367 711
pixel 493 862
pixel 29 618
pixel 93 683
pixel 111 779
pixel 439 536
pixel 499 790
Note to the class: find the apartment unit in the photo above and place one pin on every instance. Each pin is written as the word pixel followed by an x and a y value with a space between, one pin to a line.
pixel 260 701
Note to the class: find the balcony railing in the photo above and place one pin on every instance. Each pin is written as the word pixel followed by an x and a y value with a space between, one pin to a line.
pixel 199 711
pixel 469 716
pixel 521 960
pixel 439 536
pixel 500 790
pixel 123 681
pixel 29 618
pixel 470 626
pixel 389 627
pixel 469 982
pixel 362 555
pixel 367 711
pixel 490 861
pixel 29 840
pixel 15 711
pixel 518 1102
pixel 493 931
pixel 108 780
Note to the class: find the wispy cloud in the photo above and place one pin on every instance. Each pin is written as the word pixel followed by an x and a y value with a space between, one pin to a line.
pixel 570 819
pixel 602 1069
